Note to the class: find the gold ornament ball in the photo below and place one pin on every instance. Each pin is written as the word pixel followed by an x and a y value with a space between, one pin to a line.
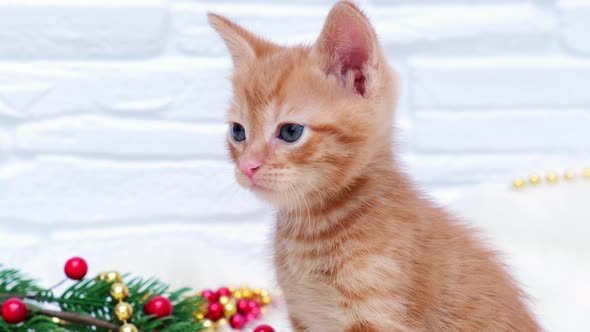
pixel 587 173
pixel 128 328
pixel 119 291
pixel 199 316
pixel 220 323
pixel 223 300
pixel 101 276
pixel 247 294
pixel 518 183
pixel 114 276
pixel 552 177
pixel 534 180
pixel 230 309
pixel 238 295
pixel 265 300
pixel 569 175
pixel 208 325
pixel 123 311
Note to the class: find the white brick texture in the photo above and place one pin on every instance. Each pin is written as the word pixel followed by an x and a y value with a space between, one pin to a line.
pixel 82 29
pixel 112 129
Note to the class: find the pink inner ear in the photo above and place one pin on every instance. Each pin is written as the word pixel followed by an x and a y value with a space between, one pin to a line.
pixel 350 43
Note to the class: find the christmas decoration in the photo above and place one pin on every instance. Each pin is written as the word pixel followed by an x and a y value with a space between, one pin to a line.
pixel 76 268
pixel 263 328
pixel 236 307
pixel 14 311
pixel 110 301
pixel 551 178
pixel 158 306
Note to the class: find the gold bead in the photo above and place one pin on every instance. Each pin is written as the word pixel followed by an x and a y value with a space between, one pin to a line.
pixel 113 276
pixel 238 295
pixel 257 291
pixel 123 311
pixel 587 173
pixel 199 316
pixel 534 180
pixel 265 300
pixel 552 177
pixel 128 328
pixel 223 299
pixel 247 294
pixel 220 323
pixel 119 291
pixel 518 183
pixel 207 324
pixel 569 175
pixel 101 276
pixel 231 290
pixel 230 309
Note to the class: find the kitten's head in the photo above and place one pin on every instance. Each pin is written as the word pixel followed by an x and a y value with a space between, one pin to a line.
pixel 307 121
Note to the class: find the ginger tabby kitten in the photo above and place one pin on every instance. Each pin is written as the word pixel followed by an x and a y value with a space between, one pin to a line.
pixel 356 247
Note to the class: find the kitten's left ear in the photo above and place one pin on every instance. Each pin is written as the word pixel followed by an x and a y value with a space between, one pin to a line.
pixel 243 45
pixel 348 44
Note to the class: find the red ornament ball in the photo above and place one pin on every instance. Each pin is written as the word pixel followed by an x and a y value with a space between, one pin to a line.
pixel 158 306
pixel 215 311
pixel 264 328
pixel 14 311
pixel 76 268
pixel 237 321
pixel 255 311
pixel 210 295
pixel 250 317
pixel 244 306
pixel 223 291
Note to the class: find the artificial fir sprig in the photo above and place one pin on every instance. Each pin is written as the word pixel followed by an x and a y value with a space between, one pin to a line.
pixel 87 306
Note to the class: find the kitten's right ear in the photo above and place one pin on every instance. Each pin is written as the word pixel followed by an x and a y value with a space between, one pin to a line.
pixel 242 45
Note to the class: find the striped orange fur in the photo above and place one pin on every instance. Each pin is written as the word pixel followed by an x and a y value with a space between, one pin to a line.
pixel 357 248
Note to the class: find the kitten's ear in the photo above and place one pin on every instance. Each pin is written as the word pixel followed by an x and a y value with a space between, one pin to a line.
pixel 243 45
pixel 347 44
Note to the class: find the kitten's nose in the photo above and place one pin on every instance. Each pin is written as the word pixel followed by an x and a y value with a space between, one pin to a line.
pixel 249 167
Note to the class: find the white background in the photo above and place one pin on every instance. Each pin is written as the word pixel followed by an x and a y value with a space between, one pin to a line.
pixel 112 134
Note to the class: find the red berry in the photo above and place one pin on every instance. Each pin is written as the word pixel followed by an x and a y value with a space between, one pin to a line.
pixel 14 311
pixel 210 295
pixel 237 321
pixel 243 306
pixel 223 291
pixel 214 311
pixel 76 268
pixel 158 306
pixel 263 328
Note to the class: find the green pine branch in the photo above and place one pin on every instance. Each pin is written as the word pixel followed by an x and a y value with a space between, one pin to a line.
pixel 87 302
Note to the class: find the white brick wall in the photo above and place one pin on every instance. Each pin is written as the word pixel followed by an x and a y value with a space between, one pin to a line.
pixel 111 115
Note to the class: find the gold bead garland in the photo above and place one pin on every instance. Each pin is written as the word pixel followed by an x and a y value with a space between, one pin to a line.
pixel 119 292
pixel 550 177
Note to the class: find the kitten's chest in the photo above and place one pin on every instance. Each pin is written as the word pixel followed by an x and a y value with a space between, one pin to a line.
pixel 306 278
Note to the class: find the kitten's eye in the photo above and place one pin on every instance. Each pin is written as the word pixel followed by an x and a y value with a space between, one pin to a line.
pixel 238 133
pixel 290 132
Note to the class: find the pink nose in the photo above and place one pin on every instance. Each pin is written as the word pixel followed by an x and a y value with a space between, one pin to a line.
pixel 249 167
